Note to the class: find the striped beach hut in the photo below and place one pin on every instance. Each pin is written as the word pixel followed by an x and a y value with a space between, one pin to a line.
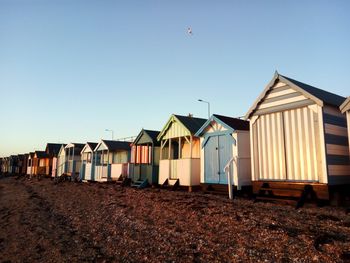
pixel 345 108
pixel 298 139
pixel 145 152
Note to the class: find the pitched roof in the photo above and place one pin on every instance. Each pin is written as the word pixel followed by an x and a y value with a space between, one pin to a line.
pixel 345 106
pixel 117 145
pixel 234 123
pixel 41 154
pixel 317 95
pixel 191 123
pixel 77 147
pixel 150 133
pixel 92 145
pixel 53 148
pixel 325 96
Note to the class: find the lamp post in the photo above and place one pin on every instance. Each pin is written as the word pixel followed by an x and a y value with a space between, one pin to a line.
pixel 108 130
pixel 200 100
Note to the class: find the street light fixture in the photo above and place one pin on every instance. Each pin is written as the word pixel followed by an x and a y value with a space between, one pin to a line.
pixel 108 130
pixel 200 100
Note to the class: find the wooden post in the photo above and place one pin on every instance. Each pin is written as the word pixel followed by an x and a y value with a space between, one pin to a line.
pixel 169 154
pixel 108 175
pixel 161 150
pixel 169 150
pixel 179 150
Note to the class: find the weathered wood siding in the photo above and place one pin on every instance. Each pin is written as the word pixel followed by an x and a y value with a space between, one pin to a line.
pixel 337 145
pixel 287 138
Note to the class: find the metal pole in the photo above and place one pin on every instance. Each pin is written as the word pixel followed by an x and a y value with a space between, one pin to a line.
pixel 200 100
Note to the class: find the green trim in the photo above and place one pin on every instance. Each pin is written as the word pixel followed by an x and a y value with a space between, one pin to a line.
pixel 168 125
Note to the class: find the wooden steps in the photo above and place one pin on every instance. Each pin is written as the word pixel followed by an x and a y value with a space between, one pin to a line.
pixel 216 189
pixel 171 184
pixel 123 181
pixel 285 194
pixel 139 184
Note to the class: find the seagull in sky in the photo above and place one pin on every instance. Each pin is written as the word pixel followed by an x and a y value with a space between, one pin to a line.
pixel 189 31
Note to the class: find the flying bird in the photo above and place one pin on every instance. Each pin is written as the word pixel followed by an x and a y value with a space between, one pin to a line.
pixel 189 31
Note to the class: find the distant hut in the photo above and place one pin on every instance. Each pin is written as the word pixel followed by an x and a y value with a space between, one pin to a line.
pixel 13 160
pixel 180 152
pixel 345 108
pixel 30 164
pixel 52 150
pixel 5 165
pixel 224 139
pixel 145 153
pixel 112 160
pixel 41 163
pixel 298 139
pixel 87 171
pixel 69 159
pixel 22 163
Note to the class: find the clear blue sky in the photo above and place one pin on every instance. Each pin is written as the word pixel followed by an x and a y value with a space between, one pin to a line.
pixel 69 69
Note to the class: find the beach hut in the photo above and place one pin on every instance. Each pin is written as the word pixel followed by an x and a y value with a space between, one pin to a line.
pixel 30 164
pixel 52 150
pixel 61 162
pixel 4 165
pixel 69 159
pixel 22 163
pixel 298 140
pixel 223 138
pixel 111 160
pixel 87 170
pixel 13 164
pixel 41 163
pixel 145 151
pixel 345 108
pixel 180 152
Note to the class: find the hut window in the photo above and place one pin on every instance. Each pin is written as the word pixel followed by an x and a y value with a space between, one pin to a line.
pixel 105 158
pixel 120 157
pixel 98 158
pixel 88 158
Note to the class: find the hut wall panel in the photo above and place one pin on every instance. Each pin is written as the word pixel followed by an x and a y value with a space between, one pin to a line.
pixel 301 144
pixel 186 149
pixel 269 146
pixel 202 178
pixel 335 130
pixel 175 131
pixel 287 146
pixel 119 169
pixel 88 170
pixel 337 145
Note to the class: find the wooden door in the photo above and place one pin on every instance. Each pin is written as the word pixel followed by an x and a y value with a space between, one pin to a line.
pixel 225 144
pixel 211 161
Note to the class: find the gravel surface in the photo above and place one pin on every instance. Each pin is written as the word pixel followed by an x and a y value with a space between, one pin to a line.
pixel 79 222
